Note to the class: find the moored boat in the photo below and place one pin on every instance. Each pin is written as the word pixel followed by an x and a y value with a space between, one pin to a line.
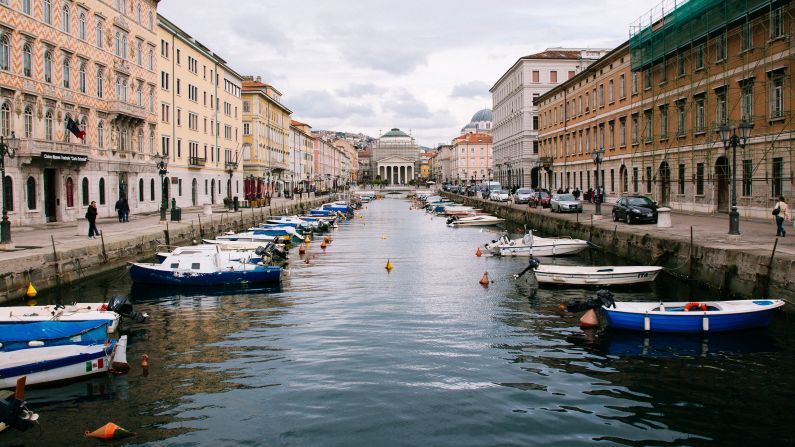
pixel 16 336
pixel 481 220
pixel 576 275
pixel 536 246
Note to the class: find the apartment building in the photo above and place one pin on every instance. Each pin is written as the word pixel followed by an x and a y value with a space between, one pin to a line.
pixel 471 158
pixel 301 155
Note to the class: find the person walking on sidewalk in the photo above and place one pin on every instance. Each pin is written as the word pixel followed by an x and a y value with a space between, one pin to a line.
pixel 125 208
pixel 783 214
pixel 119 209
pixel 91 216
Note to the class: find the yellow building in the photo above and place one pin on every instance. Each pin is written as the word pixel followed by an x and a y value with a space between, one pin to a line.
pixel 200 120
pixel 266 133
pixel 90 62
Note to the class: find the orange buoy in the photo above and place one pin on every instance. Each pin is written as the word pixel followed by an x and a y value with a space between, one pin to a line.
pixel 484 280
pixel 109 431
pixel 323 245
pixel 301 250
pixel 478 253
pixel 389 265
pixel 145 361
pixel 588 320
pixel 327 239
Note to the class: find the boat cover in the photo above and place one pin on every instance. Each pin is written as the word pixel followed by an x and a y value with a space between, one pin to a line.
pixel 46 330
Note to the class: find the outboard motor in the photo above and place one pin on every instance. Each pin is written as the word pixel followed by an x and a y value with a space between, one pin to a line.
pixel 278 253
pixel 16 414
pixel 122 306
pixel 603 298
pixel 259 251
pixel 532 264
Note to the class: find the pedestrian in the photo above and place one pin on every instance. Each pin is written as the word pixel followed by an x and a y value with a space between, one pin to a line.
pixel 782 213
pixel 91 216
pixel 125 209
pixel 120 209
pixel 576 193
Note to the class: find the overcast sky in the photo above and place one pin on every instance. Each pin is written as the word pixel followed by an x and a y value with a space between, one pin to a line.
pixel 370 65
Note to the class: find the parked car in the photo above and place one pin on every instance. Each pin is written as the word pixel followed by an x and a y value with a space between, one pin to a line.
pixel 501 195
pixel 539 198
pixel 565 203
pixel 522 195
pixel 634 209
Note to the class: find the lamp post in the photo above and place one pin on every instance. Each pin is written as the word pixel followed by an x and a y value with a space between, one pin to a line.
pixel 162 169
pixel 597 159
pixel 230 166
pixel 8 147
pixel 730 138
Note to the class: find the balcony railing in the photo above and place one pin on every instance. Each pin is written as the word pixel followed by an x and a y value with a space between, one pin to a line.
pixel 127 109
pixel 34 148
pixel 196 162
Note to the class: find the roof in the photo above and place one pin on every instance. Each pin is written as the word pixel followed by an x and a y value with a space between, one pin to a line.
pixel 474 138
pixel 298 123
pixel 395 132
pixel 552 54
pixel 482 115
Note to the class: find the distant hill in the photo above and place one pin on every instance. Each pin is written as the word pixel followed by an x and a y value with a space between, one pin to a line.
pixel 360 140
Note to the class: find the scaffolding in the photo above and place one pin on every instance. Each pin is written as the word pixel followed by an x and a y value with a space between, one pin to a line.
pixel 660 39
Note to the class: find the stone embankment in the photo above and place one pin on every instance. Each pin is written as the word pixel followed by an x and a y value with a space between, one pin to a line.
pixel 54 263
pixel 736 270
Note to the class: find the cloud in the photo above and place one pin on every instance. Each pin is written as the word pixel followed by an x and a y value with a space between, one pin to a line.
pixel 472 89
pixel 406 105
pixel 314 104
pixel 359 90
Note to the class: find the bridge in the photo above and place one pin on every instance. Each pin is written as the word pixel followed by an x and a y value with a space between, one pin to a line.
pixel 395 189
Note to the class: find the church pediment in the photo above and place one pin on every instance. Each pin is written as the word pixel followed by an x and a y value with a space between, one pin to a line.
pixel 395 159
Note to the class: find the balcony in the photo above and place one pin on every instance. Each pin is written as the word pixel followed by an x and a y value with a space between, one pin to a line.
pixel 124 111
pixel 54 150
pixel 196 162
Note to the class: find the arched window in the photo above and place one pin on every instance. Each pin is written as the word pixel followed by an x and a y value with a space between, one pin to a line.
pixel 151 59
pixel 140 190
pixel 31 187
pixel 27 8
pixel 27 60
pixel 101 191
pixel 140 141
pixel 101 135
pixel 70 192
pixel 66 25
pixel 84 191
pixel 5 119
pixel 47 11
pixel 151 141
pixel 48 126
pixel 47 66
pixel 151 21
pixel 151 100
pixel 8 193
pixel 66 72
pixel 100 82
pixel 28 118
pixel 5 56
pixel 139 53
pixel 99 33
pixel 66 133
pixel 83 127
pixel 152 190
pixel 81 26
pixel 117 44
pixel 81 77
pixel 138 15
pixel 139 96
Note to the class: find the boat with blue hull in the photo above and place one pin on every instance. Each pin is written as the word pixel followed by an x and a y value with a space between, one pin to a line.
pixel 691 317
pixel 16 336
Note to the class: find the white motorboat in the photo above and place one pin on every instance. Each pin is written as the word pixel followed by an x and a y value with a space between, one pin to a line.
pixel 595 276
pixel 111 312
pixel 537 246
pixel 481 220
pixel 235 251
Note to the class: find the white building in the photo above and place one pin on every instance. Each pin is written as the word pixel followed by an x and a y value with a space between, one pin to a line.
pixel 395 157
pixel 516 160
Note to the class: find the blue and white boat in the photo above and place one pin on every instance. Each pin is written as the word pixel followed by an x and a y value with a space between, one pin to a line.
pixel 292 221
pixel 204 269
pixel 691 317
pixel 16 336
pixel 282 232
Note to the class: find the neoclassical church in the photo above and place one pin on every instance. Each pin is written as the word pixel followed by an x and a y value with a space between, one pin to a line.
pixel 395 157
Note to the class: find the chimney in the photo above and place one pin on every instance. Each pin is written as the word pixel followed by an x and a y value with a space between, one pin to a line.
pixel 259 78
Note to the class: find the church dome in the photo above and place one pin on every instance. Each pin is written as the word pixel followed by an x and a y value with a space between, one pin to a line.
pixel 395 133
pixel 482 115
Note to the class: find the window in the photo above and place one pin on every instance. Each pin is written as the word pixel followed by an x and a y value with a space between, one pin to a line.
pixel 65 18
pixel 601 95
pixel 83 128
pixel 27 60
pixel 139 96
pixel 84 191
pixel 140 140
pixel 721 108
pixel 5 55
pixel 748 173
pixel 681 179
pixel 700 179
pixel 121 6
pixel 48 126
pixel 612 134
pixel 698 57
pixel 648 179
pixel 47 66
pixel 165 110
pixel 28 119
pixel 164 81
pixel 635 179
pixel 663 122
pixel 178 61
pixel 151 100
pixel 700 117
pixel 648 131
pixel 680 118
pixel 141 190
pixel 81 77
pixel 152 190
pixel 47 11
pixel 647 79
pixel 536 77
pixel 120 44
pixel 777 23
pixel 70 193
pixel 746 36
pixel 663 72
pixel 150 21
pixel 66 72
pixel 81 26
pixel 777 95
pixel 139 53
pixel 634 82
pixel 165 143
pixel 720 47
pixel 778 177
pixel 121 89
pixel 5 120
pixel 26 7
pixel 138 14
pixel 553 77
pixel 151 59
pixel 747 102
pixel 622 132
pixel 611 94
pixel 680 64
pixel 634 128
pixel 100 82
pixel 99 28
pixel 177 85
pixel 31 193
pixel 246 129
pixel 8 193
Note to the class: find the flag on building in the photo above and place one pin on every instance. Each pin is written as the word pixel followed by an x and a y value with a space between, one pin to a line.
pixel 72 126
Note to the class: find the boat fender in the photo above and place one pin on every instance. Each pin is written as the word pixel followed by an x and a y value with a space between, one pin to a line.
pixel 109 431
pixel 695 305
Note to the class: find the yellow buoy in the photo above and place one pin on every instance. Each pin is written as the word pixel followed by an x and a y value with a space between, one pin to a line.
pixel 383 236
pixel 389 265
pixel 307 240
pixel 31 292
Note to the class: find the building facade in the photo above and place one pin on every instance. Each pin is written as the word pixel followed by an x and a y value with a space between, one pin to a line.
pixel 93 63
pixel 200 121
pixel 266 134
pixel 655 104
pixel 395 157
pixel 302 154
pixel 471 158
pixel 442 164
pixel 516 159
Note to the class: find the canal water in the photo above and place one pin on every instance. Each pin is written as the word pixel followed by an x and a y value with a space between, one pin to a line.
pixel 346 354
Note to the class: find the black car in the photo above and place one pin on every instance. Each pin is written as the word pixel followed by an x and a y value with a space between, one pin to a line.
pixel 635 209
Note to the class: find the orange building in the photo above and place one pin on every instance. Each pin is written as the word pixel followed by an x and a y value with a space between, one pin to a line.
pixel 654 106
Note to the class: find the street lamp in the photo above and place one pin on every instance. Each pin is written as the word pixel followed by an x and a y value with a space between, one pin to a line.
pixel 231 167
pixel 597 158
pixel 8 147
pixel 730 138
pixel 162 169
